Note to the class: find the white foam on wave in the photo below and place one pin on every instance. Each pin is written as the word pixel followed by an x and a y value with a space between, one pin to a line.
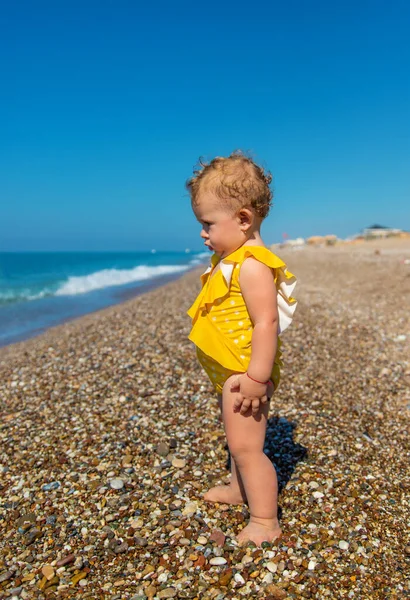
pixel 10 296
pixel 112 277
pixel 199 258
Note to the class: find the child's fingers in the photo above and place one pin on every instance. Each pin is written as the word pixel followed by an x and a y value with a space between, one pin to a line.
pixel 255 405
pixel 264 399
pixel 235 387
pixel 237 402
pixel 246 403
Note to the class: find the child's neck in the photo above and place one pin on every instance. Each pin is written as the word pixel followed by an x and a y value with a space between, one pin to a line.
pixel 254 239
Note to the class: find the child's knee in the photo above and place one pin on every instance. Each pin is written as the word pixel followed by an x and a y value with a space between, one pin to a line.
pixel 243 453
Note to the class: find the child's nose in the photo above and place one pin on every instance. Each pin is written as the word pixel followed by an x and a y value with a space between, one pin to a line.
pixel 203 234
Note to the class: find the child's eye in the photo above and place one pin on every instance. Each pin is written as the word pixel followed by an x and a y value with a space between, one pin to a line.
pixel 207 224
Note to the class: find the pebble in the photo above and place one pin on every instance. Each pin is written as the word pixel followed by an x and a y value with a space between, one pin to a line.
pixel 217 560
pixel 239 579
pixel 137 523
pixel 272 567
pixel 66 560
pixel 268 578
pixel 343 545
pixel 116 483
pixel 275 592
pixel 179 463
pixel 33 535
pixel 202 540
pixel 167 593
pixel 318 495
pixel 54 485
pixel 218 537
pixel 150 591
pixel 162 449
pixel 121 548
pixel 225 577
pixel 48 572
pixel 78 577
pixel 139 541
pixel 184 541
pixel 190 509
pixel 15 592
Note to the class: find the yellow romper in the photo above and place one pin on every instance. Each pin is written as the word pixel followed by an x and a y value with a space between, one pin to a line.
pixel 221 326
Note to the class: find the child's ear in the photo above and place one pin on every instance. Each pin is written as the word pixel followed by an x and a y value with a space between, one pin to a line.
pixel 245 217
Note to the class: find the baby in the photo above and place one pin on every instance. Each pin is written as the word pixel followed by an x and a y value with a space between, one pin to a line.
pixel 245 302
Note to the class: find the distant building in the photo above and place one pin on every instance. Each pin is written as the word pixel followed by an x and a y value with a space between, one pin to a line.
pixel 315 240
pixel 322 240
pixel 294 243
pixel 379 231
pixel 297 243
pixel 330 240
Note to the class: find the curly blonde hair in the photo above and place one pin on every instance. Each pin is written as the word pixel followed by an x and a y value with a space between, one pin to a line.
pixel 237 181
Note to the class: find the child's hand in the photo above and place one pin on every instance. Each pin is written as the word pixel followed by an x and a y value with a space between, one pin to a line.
pixel 250 394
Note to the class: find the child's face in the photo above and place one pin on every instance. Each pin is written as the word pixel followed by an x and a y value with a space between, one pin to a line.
pixel 222 230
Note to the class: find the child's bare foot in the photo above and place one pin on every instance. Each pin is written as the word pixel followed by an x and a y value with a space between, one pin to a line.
pixel 225 494
pixel 259 530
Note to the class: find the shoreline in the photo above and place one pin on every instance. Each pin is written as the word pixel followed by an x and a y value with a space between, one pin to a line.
pixel 118 296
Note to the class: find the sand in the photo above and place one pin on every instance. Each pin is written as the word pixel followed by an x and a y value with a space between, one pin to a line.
pixel 110 434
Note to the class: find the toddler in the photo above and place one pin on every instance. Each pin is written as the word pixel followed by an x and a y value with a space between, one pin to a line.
pixel 245 302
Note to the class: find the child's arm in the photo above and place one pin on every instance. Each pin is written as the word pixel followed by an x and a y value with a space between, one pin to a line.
pixel 259 292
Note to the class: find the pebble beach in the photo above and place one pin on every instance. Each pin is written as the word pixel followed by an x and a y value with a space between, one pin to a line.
pixel 110 435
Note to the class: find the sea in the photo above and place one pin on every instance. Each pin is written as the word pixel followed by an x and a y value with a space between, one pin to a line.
pixel 41 289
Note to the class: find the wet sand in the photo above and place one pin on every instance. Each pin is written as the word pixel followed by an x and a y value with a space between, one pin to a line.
pixel 110 434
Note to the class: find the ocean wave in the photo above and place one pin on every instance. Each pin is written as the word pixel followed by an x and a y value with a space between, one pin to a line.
pixel 113 277
pixel 11 296
pixel 75 285
pixel 200 258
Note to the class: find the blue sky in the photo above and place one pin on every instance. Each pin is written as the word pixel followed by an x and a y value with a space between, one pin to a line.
pixel 106 107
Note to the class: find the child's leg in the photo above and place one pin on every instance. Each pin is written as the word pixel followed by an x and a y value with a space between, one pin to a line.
pixel 233 493
pixel 246 437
